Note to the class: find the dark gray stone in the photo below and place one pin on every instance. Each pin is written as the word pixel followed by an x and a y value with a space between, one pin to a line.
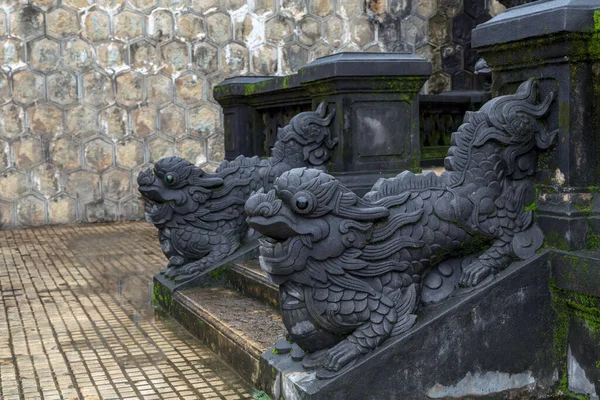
pixel 444 279
pixel 241 117
pixel 452 58
pixel 282 346
pixel 254 108
pixel 381 127
pixel 577 271
pixel 582 358
pixel 483 73
pixel 248 251
pixel 458 58
pixel 462 25
pixel 389 32
pixel 514 3
pixel 297 353
pixel 200 215
pixel 351 269
pixel 375 96
pixel 365 65
pixel 475 8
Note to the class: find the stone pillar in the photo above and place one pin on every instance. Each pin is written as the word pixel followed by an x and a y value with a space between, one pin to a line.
pixel 375 96
pixel 557 42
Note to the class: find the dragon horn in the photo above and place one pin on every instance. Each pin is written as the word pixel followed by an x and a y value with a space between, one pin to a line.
pixel 524 100
pixel 321 109
pixel 301 121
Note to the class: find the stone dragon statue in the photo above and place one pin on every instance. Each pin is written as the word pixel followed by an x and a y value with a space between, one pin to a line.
pixel 200 215
pixel 351 270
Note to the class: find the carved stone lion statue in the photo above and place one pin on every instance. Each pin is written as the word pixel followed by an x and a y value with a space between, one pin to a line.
pixel 200 215
pixel 351 269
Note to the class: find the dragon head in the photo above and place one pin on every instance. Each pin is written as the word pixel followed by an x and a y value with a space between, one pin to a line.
pixel 174 186
pixel 515 122
pixel 311 131
pixel 308 217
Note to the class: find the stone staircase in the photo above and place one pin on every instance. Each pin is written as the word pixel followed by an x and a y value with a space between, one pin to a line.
pixel 235 312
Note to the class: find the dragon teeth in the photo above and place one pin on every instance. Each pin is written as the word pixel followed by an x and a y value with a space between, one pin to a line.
pixel 266 251
pixel 278 249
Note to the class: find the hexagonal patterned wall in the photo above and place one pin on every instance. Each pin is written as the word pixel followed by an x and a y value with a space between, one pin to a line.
pixel 91 92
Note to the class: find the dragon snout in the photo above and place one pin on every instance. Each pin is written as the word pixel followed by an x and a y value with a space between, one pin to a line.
pixel 145 178
pixel 262 204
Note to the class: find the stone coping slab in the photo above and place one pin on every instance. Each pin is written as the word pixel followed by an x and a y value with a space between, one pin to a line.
pixel 541 18
pixel 342 65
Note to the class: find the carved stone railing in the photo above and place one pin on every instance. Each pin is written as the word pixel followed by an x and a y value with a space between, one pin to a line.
pixel 255 106
pixel 440 115
pixel 352 270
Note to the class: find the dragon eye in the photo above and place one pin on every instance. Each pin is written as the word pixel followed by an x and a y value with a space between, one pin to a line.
pixel 302 203
pixel 170 179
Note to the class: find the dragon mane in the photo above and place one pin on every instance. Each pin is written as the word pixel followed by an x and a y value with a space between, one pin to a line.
pixel 309 129
pixel 331 197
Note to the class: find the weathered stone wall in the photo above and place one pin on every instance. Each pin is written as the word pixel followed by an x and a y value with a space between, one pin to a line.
pixel 91 92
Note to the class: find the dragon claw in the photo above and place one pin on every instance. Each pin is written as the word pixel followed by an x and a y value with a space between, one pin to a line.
pixel 169 271
pixel 340 355
pixel 474 273
pixel 193 269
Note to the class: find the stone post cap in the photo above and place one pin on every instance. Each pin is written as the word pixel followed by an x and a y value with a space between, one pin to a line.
pixel 343 65
pixel 540 18
pixel 365 65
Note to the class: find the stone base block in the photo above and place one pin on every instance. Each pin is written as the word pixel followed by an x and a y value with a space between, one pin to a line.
pixel 495 341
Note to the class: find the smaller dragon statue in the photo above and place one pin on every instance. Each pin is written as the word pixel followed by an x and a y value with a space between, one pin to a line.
pixel 200 215
pixel 351 270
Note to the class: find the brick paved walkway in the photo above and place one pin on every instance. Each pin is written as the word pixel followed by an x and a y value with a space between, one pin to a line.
pixel 76 321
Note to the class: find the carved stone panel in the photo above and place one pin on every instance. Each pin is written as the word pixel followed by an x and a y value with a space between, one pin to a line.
pixel 381 129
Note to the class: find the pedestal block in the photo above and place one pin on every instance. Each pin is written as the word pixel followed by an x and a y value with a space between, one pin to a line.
pixel 493 342
pixel 375 98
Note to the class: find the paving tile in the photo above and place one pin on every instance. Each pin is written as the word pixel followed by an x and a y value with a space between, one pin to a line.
pixel 77 330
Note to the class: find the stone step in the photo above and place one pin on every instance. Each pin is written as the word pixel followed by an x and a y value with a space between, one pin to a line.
pixel 249 279
pixel 236 327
